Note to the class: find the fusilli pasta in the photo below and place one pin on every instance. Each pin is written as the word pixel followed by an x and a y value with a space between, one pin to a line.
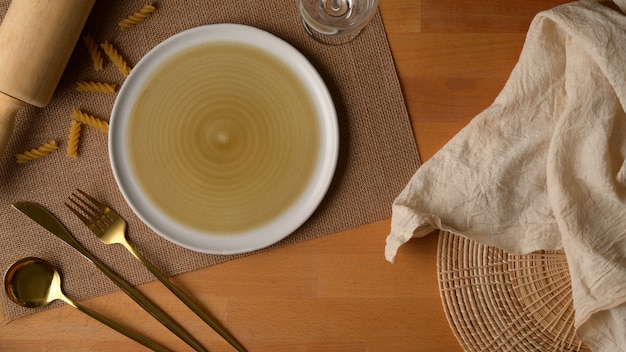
pixel 94 51
pixel 116 58
pixel 97 87
pixel 137 17
pixel 41 151
pixel 90 120
pixel 73 138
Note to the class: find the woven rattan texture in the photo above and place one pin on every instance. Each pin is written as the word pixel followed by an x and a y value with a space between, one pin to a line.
pixel 497 301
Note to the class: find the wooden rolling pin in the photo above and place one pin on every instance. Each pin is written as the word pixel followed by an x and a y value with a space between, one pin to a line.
pixel 37 38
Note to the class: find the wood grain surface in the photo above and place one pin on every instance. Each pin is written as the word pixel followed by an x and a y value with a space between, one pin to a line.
pixel 336 293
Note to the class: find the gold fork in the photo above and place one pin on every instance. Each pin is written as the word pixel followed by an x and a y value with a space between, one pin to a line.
pixel 110 228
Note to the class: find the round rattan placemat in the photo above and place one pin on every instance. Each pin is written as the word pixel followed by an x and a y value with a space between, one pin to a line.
pixel 497 301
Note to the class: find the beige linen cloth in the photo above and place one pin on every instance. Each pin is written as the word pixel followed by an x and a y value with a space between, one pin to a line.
pixel 544 166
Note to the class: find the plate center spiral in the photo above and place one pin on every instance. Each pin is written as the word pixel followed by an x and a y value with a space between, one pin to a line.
pixel 223 137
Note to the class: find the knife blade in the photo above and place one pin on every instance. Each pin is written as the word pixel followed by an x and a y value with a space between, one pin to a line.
pixel 48 221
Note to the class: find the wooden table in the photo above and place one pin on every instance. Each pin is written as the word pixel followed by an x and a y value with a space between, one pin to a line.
pixel 335 293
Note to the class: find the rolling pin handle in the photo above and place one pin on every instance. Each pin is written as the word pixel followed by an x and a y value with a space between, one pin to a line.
pixel 9 107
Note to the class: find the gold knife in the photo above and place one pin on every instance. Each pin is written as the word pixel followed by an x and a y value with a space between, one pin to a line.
pixel 48 221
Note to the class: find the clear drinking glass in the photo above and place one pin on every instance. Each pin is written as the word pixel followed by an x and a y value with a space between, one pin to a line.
pixel 336 21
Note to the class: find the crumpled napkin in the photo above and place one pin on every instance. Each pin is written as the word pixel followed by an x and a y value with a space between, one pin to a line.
pixel 544 166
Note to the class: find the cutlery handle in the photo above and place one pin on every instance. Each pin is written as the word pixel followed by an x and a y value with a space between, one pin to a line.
pixel 148 305
pixel 133 293
pixel 185 299
pixel 120 328
pixel 48 221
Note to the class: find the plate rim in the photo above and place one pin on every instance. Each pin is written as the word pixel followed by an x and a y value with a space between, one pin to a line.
pixel 297 213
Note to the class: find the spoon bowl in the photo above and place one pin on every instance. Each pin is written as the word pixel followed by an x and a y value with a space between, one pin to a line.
pixel 33 282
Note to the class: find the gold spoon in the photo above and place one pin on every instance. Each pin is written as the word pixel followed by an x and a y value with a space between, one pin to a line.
pixel 32 282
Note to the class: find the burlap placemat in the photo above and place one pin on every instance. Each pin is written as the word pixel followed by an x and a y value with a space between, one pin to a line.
pixel 377 153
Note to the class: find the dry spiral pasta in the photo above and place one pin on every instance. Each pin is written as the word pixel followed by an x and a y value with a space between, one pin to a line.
pixel 94 51
pixel 90 120
pixel 40 152
pixel 116 58
pixel 73 139
pixel 97 87
pixel 137 17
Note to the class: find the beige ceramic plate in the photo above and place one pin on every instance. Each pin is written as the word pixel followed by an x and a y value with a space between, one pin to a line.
pixel 234 159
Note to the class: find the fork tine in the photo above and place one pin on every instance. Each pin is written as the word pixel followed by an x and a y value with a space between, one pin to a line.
pixel 80 215
pixel 96 217
pixel 103 207
pixel 86 207
pixel 92 224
